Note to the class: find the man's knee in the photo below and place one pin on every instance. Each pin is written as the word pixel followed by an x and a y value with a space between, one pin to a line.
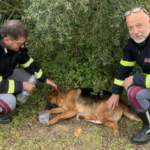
pixel 133 91
pixel 7 103
pixel 138 98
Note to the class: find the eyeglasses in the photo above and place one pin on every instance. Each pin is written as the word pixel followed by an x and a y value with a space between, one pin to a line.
pixel 135 10
pixel 15 42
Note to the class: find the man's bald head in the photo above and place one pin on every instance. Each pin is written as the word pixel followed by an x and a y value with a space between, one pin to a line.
pixel 14 29
pixel 138 23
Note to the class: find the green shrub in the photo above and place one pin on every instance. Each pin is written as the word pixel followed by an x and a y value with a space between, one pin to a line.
pixel 12 9
pixel 79 43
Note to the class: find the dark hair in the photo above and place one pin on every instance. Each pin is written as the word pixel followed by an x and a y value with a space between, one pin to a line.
pixel 14 29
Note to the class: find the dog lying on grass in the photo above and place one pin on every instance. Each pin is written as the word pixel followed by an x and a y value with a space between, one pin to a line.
pixel 71 102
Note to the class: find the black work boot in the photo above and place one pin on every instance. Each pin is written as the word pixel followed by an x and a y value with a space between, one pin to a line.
pixel 5 118
pixel 143 136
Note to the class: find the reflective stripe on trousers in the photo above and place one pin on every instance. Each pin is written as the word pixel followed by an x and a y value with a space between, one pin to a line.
pixel 139 98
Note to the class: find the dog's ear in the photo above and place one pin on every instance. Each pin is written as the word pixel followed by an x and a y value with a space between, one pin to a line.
pixel 54 92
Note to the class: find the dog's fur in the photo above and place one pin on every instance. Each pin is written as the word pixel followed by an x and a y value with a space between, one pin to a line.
pixel 71 102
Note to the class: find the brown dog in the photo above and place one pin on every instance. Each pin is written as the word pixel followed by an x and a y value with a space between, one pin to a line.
pixel 71 102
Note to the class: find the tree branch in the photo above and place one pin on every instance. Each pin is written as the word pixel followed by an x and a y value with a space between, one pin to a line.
pixel 9 5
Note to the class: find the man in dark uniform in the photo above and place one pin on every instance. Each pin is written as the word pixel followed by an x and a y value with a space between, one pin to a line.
pixel 136 51
pixel 13 35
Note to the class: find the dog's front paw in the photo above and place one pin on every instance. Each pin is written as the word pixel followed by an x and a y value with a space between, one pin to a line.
pixel 50 122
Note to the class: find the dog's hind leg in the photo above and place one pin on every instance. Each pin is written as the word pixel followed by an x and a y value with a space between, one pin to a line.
pixel 113 125
pixel 110 120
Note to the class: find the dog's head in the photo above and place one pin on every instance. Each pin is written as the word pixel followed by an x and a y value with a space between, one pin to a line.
pixel 53 99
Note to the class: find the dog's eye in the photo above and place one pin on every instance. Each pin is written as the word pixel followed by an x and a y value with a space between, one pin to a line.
pixel 54 106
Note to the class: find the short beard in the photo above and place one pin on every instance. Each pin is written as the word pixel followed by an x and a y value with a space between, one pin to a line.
pixel 144 37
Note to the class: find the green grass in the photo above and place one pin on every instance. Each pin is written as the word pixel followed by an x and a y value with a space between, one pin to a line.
pixel 26 133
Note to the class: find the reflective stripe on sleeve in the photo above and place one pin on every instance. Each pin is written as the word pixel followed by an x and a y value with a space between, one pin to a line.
pixel 39 74
pixel 118 82
pixel 1 78
pixel 147 82
pixel 11 86
pixel 28 63
pixel 127 63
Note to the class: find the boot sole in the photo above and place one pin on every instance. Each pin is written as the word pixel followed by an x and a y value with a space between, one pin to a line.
pixel 5 121
pixel 138 143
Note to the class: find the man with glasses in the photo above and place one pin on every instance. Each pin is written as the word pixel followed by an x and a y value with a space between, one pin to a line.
pixel 13 35
pixel 137 85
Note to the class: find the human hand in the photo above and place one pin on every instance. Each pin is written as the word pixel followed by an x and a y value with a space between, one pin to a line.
pixel 113 101
pixel 51 83
pixel 28 87
pixel 128 82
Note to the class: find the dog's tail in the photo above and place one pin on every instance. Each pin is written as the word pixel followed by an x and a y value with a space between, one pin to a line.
pixel 129 113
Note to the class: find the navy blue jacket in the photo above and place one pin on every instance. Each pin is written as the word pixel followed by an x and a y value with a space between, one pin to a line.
pixel 8 61
pixel 134 53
